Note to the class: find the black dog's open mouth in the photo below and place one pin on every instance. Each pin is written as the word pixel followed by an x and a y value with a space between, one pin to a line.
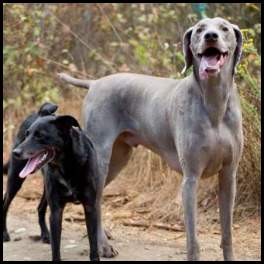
pixel 212 59
pixel 37 161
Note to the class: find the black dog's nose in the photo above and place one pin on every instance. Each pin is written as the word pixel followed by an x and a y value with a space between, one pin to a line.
pixel 17 153
pixel 211 36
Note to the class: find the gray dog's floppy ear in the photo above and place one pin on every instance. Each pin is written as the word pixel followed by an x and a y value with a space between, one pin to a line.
pixel 187 50
pixel 65 122
pixel 47 109
pixel 238 50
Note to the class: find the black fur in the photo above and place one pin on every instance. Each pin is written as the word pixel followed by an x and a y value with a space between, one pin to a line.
pixel 14 166
pixel 70 174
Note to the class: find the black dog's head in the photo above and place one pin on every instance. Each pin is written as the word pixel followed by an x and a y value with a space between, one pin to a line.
pixel 44 110
pixel 45 138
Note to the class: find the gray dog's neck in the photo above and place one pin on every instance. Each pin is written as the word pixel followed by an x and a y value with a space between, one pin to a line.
pixel 215 92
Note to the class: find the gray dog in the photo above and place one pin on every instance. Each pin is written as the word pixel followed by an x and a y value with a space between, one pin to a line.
pixel 194 124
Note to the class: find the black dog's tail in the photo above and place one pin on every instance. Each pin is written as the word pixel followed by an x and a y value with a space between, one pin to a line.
pixel 74 81
pixel 5 168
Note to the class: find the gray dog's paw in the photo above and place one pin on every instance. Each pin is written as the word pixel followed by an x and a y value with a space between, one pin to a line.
pixel 107 251
pixel 108 235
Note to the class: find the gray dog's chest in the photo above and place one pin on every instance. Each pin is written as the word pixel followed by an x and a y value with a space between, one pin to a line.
pixel 212 147
pixel 216 148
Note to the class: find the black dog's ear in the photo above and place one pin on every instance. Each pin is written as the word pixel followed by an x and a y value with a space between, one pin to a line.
pixel 79 146
pixel 66 122
pixel 47 109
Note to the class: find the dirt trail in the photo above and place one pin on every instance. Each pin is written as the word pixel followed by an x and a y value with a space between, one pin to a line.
pixel 132 243
pixel 75 246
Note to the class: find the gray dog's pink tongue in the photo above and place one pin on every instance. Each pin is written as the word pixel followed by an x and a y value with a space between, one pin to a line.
pixel 209 63
pixel 30 166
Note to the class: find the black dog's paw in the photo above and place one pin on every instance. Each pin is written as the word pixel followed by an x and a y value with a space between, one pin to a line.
pixel 95 259
pixel 6 237
pixel 45 239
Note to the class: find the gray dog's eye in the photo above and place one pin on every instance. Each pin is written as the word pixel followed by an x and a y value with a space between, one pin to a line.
pixel 225 29
pixel 199 30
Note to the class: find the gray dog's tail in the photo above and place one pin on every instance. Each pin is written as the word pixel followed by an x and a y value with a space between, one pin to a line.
pixel 74 81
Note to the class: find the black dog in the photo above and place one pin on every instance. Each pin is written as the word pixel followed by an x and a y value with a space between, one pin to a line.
pixel 70 172
pixel 13 168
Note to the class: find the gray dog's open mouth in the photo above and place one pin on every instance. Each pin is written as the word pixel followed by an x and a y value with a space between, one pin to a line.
pixel 37 161
pixel 212 59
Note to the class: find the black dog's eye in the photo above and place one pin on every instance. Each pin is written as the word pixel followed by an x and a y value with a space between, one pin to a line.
pixel 225 29
pixel 27 133
pixel 37 134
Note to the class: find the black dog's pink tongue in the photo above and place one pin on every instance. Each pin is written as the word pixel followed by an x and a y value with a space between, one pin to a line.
pixel 30 166
pixel 208 63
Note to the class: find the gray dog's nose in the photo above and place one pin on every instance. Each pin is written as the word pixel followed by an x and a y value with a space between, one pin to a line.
pixel 17 153
pixel 211 36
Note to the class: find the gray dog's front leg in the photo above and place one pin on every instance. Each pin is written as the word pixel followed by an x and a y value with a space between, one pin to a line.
pixel 104 248
pixel 227 191
pixel 189 193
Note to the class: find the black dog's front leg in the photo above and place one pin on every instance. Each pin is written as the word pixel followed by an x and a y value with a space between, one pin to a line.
pixel 55 230
pixel 14 183
pixel 91 224
pixel 42 208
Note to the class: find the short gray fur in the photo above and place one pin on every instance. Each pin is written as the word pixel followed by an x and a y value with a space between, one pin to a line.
pixel 193 124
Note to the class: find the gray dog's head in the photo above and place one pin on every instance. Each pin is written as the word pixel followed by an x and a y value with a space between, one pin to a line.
pixel 211 45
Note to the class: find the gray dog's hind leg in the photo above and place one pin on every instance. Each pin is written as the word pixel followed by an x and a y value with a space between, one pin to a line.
pixel 227 190
pixel 104 248
pixel 121 154
pixel 189 200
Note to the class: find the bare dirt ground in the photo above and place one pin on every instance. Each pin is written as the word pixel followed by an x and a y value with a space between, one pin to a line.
pixel 133 243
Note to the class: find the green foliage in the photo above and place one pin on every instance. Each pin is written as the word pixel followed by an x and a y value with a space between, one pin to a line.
pixel 26 77
pixel 249 74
